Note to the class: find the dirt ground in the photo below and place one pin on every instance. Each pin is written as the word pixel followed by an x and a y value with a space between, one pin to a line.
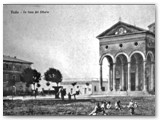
pixel 80 107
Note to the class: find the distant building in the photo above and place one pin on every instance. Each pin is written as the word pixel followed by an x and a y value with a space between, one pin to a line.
pixel 86 87
pixel 130 51
pixel 12 68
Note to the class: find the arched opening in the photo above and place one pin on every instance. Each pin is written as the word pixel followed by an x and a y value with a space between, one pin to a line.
pixel 121 73
pixel 136 72
pixel 106 72
pixel 105 69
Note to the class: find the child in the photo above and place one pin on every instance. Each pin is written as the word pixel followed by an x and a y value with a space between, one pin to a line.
pixel 96 109
pixel 108 106
pixel 131 107
pixel 117 105
pixel 135 105
pixel 103 108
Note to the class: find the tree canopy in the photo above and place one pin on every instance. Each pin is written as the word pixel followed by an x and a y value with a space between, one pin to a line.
pixel 53 75
pixel 30 76
pixel 74 83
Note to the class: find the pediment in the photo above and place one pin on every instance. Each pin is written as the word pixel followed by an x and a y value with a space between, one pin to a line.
pixel 121 28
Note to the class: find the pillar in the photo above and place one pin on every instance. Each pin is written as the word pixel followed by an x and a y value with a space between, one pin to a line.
pixel 114 82
pixel 144 77
pixel 122 77
pixel 129 77
pixel 109 80
pixel 152 75
pixel 101 80
pixel 137 81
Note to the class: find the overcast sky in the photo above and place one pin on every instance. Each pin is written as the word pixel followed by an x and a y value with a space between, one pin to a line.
pixel 65 38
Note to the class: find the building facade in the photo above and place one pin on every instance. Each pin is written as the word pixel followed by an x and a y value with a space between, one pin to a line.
pixel 130 51
pixel 86 87
pixel 12 68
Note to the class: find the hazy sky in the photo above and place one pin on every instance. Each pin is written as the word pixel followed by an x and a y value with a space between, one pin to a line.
pixel 65 38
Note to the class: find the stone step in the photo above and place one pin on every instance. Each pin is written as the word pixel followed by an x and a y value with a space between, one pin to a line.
pixel 122 93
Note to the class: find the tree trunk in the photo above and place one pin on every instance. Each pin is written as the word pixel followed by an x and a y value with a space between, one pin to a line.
pixel 12 93
pixel 34 90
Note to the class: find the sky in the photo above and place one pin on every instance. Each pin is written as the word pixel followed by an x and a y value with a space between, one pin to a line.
pixel 65 36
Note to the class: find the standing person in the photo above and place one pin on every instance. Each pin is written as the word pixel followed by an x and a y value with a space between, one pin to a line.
pixel 77 92
pixel 69 96
pixel 61 92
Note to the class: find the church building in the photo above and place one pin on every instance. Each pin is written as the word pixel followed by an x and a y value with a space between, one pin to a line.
pixel 130 52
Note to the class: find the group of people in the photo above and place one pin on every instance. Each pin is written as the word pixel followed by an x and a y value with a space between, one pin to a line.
pixel 62 92
pixel 103 107
pixel 77 92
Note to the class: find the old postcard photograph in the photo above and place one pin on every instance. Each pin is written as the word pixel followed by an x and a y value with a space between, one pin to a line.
pixel 79 59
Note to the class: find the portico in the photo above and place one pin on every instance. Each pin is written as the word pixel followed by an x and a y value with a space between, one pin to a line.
pixel 131 62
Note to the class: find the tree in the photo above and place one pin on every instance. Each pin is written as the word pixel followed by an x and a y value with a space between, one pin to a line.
pixel 87 84
pixel 74 83
pixel 11 83
pixel 30 76
pixel 53 75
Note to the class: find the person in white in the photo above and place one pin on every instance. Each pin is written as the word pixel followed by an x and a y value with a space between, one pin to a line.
pixel 96 109
pixel 117 105
pixel 108 106
pixel 132 106
pixel 103 108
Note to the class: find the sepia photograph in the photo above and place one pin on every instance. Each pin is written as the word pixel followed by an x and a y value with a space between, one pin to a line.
pixel 79 60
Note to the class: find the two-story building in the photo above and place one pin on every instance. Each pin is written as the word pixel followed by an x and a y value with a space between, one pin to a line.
pixel 12 68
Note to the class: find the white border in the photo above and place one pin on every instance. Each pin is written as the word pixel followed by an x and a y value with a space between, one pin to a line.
pixel 157 2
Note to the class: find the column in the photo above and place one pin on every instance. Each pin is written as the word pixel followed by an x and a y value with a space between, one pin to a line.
pixel 101 81
pixel 152 79
pixel 109 79
pixel 137 77
pixel 129 78
pixel 114 82
pixel 144 77
pixel 122 77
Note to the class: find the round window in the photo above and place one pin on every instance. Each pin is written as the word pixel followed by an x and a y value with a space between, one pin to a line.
pixel 120 45
pixel 136 43
pixel 106 46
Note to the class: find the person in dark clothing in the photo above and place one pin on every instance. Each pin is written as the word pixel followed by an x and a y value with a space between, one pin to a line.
pixel 117 105
pixel 69 96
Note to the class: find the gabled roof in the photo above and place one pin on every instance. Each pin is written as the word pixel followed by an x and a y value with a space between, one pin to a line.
pixel 121 28
pixel 153 24
pixel 14 59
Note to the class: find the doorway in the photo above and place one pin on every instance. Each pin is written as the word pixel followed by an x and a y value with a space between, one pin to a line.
pixel 132 81
pixel 117 84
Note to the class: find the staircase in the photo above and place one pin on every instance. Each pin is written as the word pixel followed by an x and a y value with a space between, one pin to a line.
pixel 121 93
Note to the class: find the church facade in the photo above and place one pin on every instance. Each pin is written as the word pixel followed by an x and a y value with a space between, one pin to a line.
pixel 130 52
